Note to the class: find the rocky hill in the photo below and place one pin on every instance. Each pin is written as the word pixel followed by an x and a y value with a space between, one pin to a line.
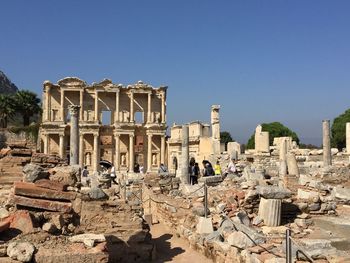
pixel 6 86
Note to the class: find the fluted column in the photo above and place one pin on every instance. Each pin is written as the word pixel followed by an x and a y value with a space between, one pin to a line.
pixel 131 106
pixel 327 158
pixel 116 113
pixel 81 105
pixel 96 106
pixel 61 150
pixel 48 103
pixel 96 152
pixel 163 108
pixel 270 211
pixel 162 149
pixel 117 152
pixel 74 134
pixel 131 152
pixel 149 109
pixel 63 118
pixel 149 152
pixel 81 149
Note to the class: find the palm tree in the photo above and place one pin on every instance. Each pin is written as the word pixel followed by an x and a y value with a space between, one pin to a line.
pixel 7 109
pixel 27 104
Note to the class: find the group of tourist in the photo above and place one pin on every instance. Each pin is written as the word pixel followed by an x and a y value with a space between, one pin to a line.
pixel 209 170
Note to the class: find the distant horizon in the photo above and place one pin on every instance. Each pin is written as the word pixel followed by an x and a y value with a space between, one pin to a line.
pixel 262 61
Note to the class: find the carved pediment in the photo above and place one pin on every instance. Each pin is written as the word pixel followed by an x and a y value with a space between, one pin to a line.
pixel 71 82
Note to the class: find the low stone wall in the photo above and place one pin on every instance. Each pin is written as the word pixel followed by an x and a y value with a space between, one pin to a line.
pixel 21 138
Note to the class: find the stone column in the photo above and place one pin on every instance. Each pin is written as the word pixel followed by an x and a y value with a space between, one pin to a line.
pixel 162 149
pixel 48 103
pixel 61 150
pixel 149 109
pixel 149 152
pixel 131 106
pixel 117 152
pixel 215 128
pixel 96 106
pixel 292 164
pixel 131 153
pixel 46 143
pixel 81 150
pixel 184 159
pixel 347 137
pixel 270 211
pixel 327 158
pixel 63 117
pixel 74 134
pixel 283 158
pixel 116 113
pixel 163 108
pixel 81 105
pixel 96 152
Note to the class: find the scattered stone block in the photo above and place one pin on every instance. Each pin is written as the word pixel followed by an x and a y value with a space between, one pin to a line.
pixel 57 206
pixel 22 221
pixel 33 172
pixel 31 190
pixel 48 184
pixel 240 240
pixel 204 226
pixel 21 251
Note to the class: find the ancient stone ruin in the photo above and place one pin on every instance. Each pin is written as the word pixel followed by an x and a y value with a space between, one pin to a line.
pixel 281 203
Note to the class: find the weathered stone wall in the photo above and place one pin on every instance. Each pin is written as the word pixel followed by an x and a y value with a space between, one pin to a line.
pixel 19 139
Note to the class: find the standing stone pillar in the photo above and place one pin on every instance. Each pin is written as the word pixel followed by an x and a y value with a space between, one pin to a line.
pixel 149 107
pixel 81 99
pixel 292 164
pixel 63 117
pixel 163 108
pixel 149 152
pixel 96 152
pixel 116 113
pixel 347 137
pixel 184 164
pixel 74 134
pixel 48 103
pixel 283 158
pixel 81 150
pixel 270 211
pixel 132 106
pixel 61 145
pixel 131 153
pixel 327 158
pixel 162 149
pixel 96 106
pixel 46 143
pixel 117 152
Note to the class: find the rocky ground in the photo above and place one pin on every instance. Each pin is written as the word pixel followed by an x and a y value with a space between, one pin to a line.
pixel 50 215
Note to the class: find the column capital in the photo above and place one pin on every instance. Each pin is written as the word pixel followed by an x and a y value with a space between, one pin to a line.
pixel 74 110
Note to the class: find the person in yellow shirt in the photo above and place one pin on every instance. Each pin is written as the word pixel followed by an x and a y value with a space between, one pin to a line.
pixel 217 168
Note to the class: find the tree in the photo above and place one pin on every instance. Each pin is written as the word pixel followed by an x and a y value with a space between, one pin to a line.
pixel 225 137
pixel 276 129
pixel 7 109
pixel 338 139
pixel 27 104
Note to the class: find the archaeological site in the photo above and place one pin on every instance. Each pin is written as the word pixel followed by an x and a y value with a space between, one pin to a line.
pixel 106 180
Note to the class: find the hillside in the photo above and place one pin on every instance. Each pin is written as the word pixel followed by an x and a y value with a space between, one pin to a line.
pixel 6 86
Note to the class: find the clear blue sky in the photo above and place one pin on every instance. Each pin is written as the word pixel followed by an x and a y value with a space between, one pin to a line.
pixel 262 61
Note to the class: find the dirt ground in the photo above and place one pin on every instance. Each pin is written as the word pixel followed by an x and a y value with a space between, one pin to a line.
pixel 173 249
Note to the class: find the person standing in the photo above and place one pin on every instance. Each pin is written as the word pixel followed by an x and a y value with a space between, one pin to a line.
pixel 217 168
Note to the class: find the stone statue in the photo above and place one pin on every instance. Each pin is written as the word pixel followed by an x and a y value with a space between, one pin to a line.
pixel 154 159
pixel 123 160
